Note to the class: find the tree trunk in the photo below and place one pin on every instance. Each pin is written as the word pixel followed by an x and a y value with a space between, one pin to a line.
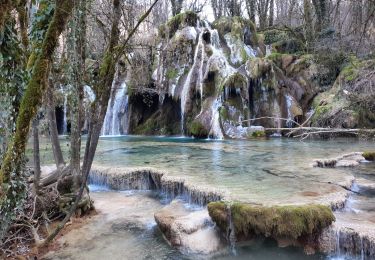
pixel 51 116
pixel 321 14
pixel 176 6
pixel 272 7
pixel 262 12
pixel 77 98
pixel 23 23
pixel 36 152
pixel 35 91
pixel 5 7
pixel 251 10
pixel 309 32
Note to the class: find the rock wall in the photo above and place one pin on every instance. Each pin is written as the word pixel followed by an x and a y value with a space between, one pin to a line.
pixel 216 79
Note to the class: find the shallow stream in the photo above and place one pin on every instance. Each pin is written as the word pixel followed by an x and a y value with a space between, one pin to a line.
pixel 261 171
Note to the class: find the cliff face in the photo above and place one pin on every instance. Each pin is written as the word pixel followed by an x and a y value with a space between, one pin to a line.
pixel 221 80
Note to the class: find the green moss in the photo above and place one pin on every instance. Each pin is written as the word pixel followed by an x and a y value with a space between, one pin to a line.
pixel 272 36
pixel 218 213
pixel 236 26
pixel 291 222
pixel 198 130
pixel 172 73
pixel 290 45
pixel 236 80
pixel 369 156
pixel 224 115
pixel 351 71
pixel 280 221
pixel 258 133
pixel 178 21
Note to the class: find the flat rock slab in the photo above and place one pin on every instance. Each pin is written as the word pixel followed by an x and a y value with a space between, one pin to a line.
pixel 346 160
pixel 190 231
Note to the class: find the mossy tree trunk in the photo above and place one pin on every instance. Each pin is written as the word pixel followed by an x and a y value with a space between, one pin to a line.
pixel 5 7
pixel 36 152
pixel 78 28
pixel 36 88
pixel 309 31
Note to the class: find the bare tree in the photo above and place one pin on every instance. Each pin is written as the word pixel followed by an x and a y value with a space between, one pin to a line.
pixel 176 6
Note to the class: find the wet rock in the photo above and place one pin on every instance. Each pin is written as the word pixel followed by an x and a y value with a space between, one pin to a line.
pixel 191 231
pixel 150 179
pixel 349 240
pixel 346 160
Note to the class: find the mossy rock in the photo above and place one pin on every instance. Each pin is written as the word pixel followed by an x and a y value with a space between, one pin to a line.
pixel 351 71
pixel 219 213
pixel 291 222
pixel 258 134
pixel 198 130
pixel 177 22
pixel 290 46
pixel 235 80
pixel 369 156
pixel 274 35
pixel 237 26
pixel 258 67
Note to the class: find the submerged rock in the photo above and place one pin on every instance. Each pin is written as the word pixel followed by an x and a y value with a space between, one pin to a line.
pixel 346 160
pixel 190 231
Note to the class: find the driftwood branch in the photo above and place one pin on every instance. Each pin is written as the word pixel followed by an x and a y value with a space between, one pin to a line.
pixel 305 132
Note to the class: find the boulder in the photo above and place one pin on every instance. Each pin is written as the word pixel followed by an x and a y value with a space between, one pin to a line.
pixel 190 231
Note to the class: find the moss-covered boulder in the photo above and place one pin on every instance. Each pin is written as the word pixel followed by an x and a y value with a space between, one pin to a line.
pixel 350 103
pixel 278 222
pixel 238 27
pixel 198 130
pixel 274 35
pixel 369 155
pixel 240 37
pixel 177 22
pixel 288 46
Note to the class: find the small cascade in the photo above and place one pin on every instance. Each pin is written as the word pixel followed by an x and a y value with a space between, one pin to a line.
pixel 289 102
pixel 231 234
pixel 118 104
pixel 65 123
pixel 148 179
pixel 338 250
pixel 215 123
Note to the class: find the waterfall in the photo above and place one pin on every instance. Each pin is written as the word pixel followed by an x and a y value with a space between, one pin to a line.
pixel 186 88
pixel 118 104
pixel 65 123
pixel 289 102
pixel 231 234
pixel 215 123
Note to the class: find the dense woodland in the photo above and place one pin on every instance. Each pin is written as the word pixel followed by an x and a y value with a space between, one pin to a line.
pixel 48 47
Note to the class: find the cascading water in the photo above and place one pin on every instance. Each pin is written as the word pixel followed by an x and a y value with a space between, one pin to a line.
pixel 118 104
pixel 215 123
pixel 185 90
